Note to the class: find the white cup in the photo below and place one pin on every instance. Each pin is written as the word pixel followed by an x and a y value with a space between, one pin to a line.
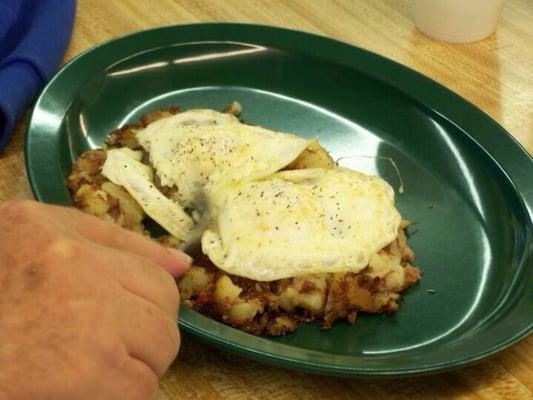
pixel 457 21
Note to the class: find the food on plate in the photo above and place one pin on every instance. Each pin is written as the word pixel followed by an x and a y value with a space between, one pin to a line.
pixel 298 222
pixel 279 232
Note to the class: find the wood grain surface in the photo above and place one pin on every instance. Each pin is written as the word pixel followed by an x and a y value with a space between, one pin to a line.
pixel 495 74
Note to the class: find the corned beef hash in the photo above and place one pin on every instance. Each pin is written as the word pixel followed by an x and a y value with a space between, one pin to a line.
pixel 280 233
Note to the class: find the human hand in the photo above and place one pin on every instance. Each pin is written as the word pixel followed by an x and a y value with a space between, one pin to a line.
pixel 87 309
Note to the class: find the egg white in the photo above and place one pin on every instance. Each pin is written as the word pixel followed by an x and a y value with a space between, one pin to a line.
pixel 300 222
pixel 193 148
pixel 123 167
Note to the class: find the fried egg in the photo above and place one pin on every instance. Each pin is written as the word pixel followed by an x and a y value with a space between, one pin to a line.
pixel 190 149
pixel 123 167
pixel 300 222
pixel 258 221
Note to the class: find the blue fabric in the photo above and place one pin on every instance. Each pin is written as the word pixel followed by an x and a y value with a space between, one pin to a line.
pixel 33 38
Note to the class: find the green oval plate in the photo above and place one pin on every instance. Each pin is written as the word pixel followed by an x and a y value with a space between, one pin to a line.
pixel 468 184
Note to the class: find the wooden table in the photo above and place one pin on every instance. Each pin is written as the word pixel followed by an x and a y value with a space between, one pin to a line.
pixel 495 74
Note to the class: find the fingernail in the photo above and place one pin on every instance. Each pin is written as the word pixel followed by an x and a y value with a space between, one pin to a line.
pixel 185 258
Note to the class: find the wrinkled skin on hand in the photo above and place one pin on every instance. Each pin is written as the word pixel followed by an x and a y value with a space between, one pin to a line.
pixel 87 309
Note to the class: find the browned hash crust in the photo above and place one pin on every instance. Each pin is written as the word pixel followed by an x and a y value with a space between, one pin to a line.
pixel 340 296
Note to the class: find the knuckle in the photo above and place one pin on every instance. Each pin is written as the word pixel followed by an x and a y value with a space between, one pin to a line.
pixel 147 384
pixel 175 293
pixel 109 349
pixel 172 288
pixel 64 248
pixel 174 340
pixel 177 343
pixel 171 351
pixel 120 236
pixel 172 296
pixel 173 343
pixel 168 337
pixel 167 283
pixel 18 208
pixel 101 350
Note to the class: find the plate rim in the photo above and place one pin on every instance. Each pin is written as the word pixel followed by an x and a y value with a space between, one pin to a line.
pixel 525 196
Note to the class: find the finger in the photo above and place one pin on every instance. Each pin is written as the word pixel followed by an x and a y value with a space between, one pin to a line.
pixel 141 277
pixel 130 378
pixel 135 380
pixel 147 332
pixel 112 235
pixel 146 381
